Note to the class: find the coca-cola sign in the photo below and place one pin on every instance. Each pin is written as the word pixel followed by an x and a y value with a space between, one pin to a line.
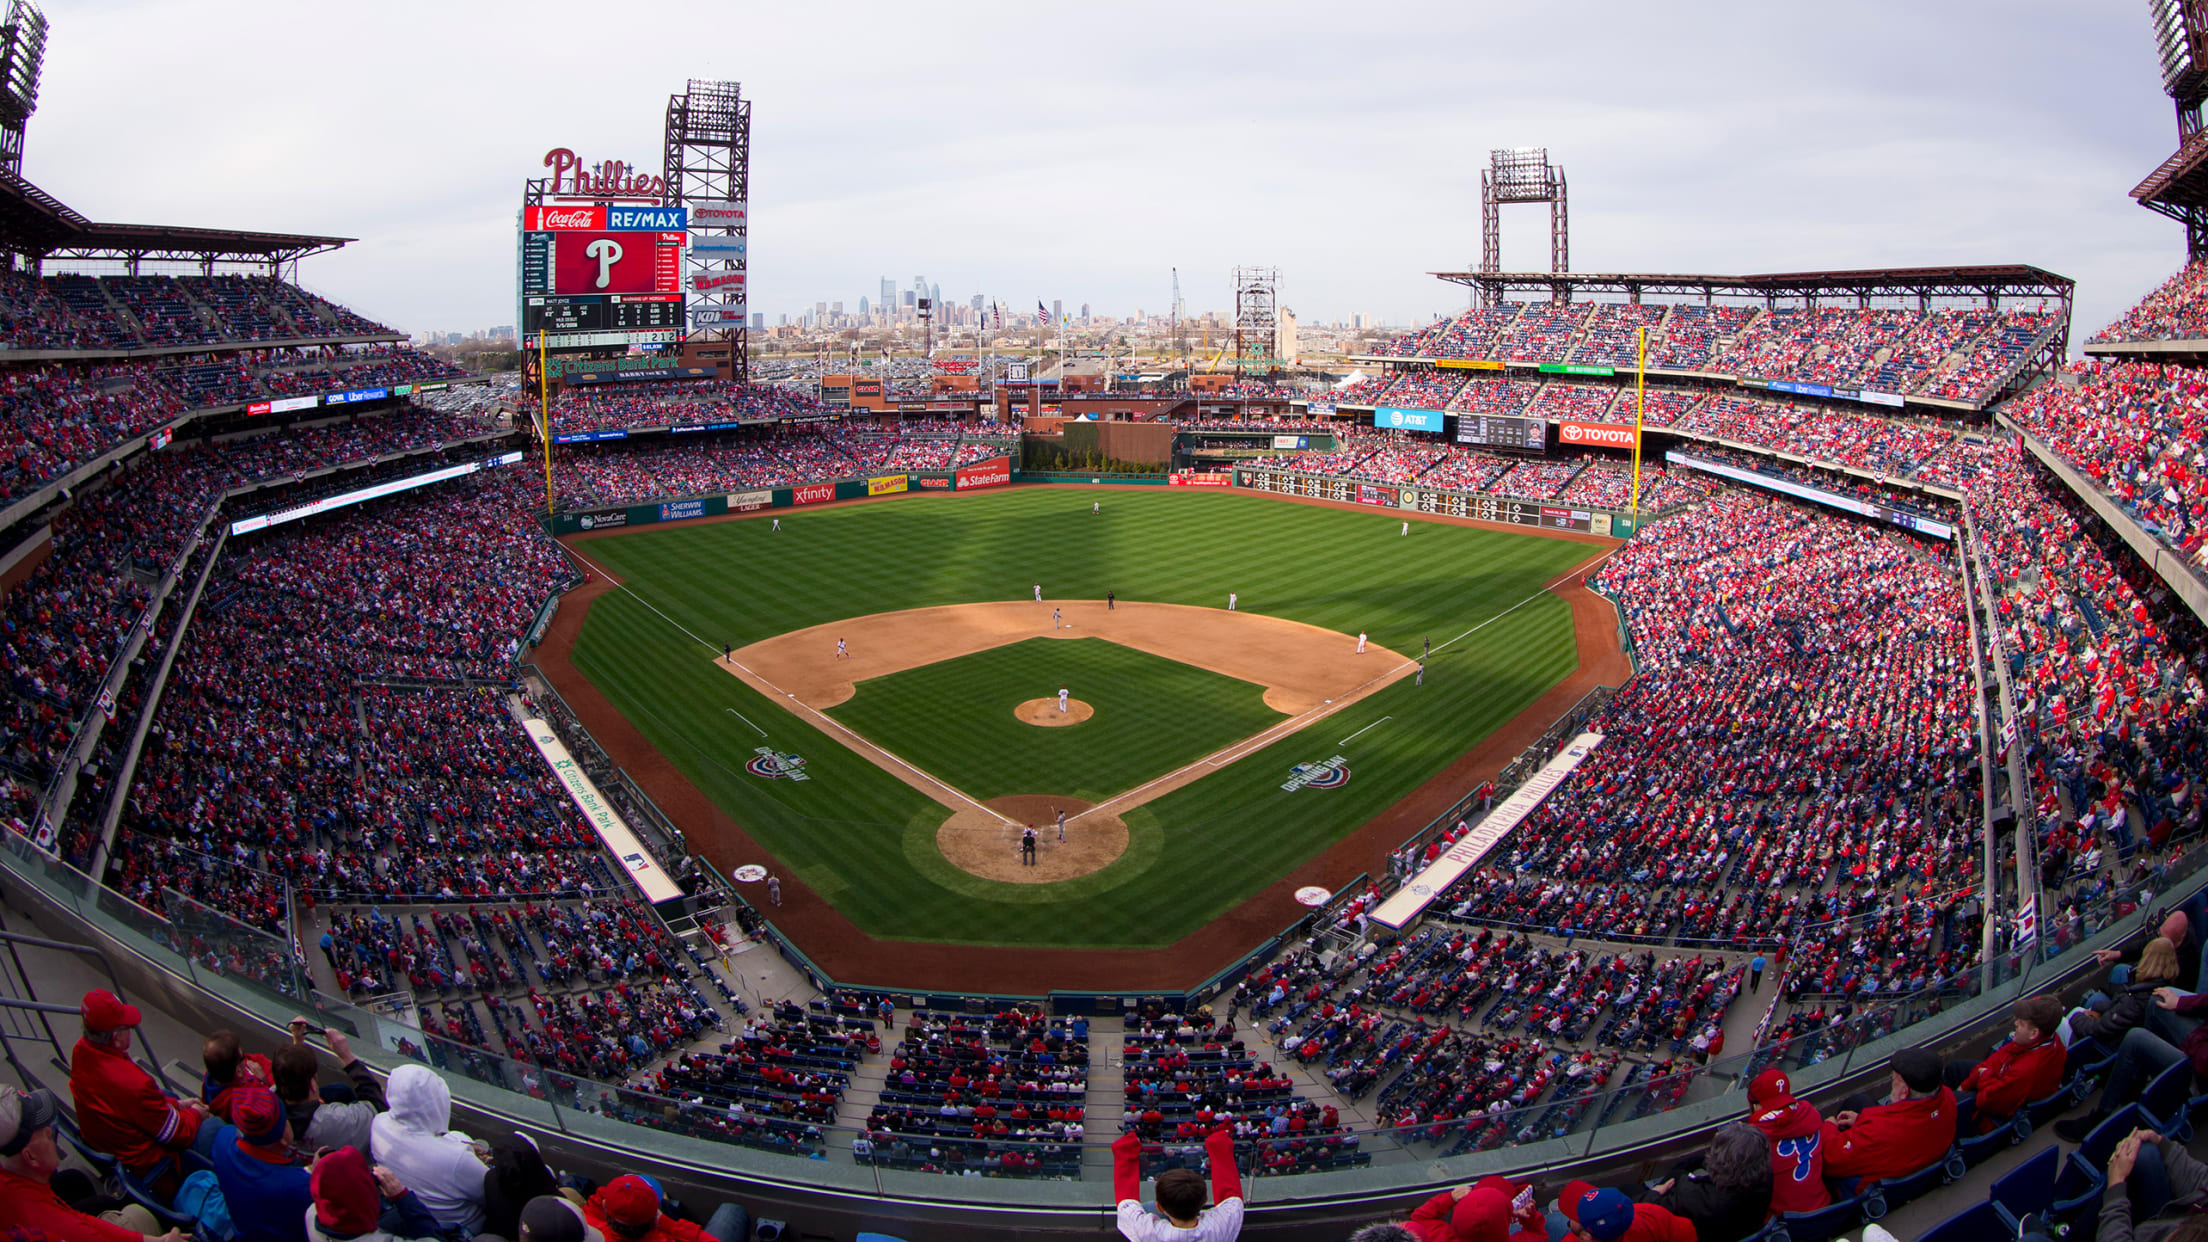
pixel 587 217
pixel 605 181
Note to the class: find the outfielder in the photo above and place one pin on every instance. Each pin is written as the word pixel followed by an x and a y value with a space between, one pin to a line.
pixel 1406 526
pixel 1231 598
pixel 778 523
pixel 1038 592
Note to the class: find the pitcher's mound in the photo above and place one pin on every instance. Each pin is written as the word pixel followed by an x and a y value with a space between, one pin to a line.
pixel 981 844
pixel 1045 712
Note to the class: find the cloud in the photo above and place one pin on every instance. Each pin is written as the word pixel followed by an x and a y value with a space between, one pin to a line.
pixel 1081 152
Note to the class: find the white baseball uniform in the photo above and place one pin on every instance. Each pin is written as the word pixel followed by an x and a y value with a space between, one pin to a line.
pixel 1061 698
pixel 1360 642
pixel 1231 597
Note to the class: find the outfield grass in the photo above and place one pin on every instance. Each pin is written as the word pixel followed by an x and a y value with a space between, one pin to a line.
pixel 865 840
pixel 1152 715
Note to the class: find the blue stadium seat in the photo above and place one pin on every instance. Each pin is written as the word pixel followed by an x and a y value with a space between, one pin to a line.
pixel 2078 1187
pixel 1825 1223
pixel 1888 1193
pixel 1981 1222
pixel 2030 1186
pixel 2165 1099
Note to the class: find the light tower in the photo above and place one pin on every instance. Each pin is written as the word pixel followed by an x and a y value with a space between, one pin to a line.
pixel 1522 175
pixel 1256 295
pixel 22 53
pixel 708 169
pixel 2179 188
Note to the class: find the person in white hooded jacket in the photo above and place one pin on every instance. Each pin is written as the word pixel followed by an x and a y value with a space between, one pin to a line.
pixel 444 1168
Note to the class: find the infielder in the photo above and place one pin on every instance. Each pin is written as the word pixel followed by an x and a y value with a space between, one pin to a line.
pixel 1231 597
pixel 1360 642
pixel 1061 823
pixel 842 652
pixel 1061 698
pixel 1038 592
pixel 1054 619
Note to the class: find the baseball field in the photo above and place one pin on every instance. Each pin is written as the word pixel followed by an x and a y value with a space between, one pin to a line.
pixel 1204 755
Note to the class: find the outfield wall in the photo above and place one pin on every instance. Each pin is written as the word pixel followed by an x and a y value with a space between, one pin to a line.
pixel 990 472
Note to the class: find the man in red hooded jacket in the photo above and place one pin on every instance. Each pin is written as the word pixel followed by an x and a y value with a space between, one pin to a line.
pixel 1912 1129
pixel 2026 1068
pixel 1797 1135
pixel 120 1109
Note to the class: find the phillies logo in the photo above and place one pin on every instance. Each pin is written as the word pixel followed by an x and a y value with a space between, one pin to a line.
pixel 607 179
pixel 814 493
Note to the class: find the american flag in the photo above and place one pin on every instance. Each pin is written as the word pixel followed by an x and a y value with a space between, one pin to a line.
pixel 999 307
pixel 1042 314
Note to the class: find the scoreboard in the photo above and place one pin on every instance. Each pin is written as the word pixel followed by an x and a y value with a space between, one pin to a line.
pixel 1497 431
pixel 577 320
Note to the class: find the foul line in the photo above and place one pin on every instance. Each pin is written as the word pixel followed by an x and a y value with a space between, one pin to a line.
pixel 861 746
pixel 1367 729
pixel 747 720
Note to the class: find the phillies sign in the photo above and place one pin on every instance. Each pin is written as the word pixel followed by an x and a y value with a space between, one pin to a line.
pixel 608 179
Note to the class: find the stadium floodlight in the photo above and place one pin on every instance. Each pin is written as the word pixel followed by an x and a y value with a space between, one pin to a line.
pixel 2178 36
pixel 22 54
pixel 1523 175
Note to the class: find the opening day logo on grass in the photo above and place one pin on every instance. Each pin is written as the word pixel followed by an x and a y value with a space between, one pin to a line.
pixel 1325 774
pixel 775 766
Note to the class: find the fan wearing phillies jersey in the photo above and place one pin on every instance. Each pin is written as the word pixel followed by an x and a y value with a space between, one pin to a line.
pixel 1796 1133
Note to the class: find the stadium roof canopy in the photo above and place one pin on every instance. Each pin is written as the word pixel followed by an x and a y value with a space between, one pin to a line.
pixel 35 224
pixel 2000 280
pixel 2181 181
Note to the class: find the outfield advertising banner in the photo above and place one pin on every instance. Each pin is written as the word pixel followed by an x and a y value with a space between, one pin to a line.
pixel 939 483
pixel 678 510
pixel 1388 416
pixel 1605 435
pixel 1373 494
pixel 1468 364
pixel 283 405
pixel 812 493
pixel 1194 478
pixel 885 485
pixel 1291 442
pixel 749 502
pixel 991 473
pixel 1411 900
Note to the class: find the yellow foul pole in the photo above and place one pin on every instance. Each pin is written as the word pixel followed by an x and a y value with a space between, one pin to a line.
pixel 544 419
pixel 1640 391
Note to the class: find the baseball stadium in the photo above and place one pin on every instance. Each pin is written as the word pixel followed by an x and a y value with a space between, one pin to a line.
pixel 671 785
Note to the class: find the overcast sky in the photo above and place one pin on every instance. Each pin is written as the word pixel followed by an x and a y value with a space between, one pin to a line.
pixel 1078 152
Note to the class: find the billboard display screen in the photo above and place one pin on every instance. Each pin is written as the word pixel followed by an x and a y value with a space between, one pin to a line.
pixel 1408 420
pixel 648 315
pixel 585 263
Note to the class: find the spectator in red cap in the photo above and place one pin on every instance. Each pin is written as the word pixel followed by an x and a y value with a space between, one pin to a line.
pixel 266 1193
pixel 1463 1214
pixel 29 1155
pixel 120 1109
pixel 1605 1215
pixel 626 1209
pixel 351 1198
pixel 1796 1134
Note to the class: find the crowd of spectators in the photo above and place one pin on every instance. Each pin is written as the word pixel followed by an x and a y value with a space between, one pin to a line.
pixel 152 312
pixel 1887 447
pixel 1495 396
pixel 1585 403
pixel 630 472
pixel 55 417
pixel 1542 332
pixel 2137 429
pixel 1001 1094
pixel 2176 311
pixel 679 403
pixel 1796 747
pixel 1613 331
pixel 1423 390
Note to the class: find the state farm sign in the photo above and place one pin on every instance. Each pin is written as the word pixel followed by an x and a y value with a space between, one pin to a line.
pixel 813 493
pixel 990 473
pixel 1600 435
